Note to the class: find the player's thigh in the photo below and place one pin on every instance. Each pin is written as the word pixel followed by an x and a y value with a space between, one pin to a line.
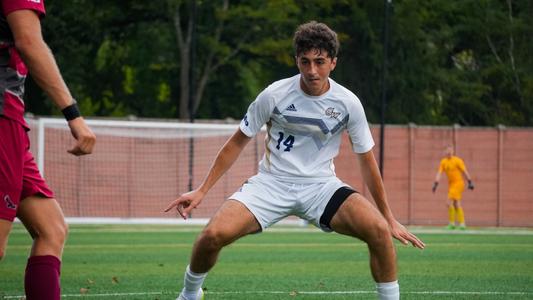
pixel 357 217
pixel 12 149
pixel 453 200
pixel 455 203
pixel 43 218
pixel 455 191
pixel 5 228
pixel 231 221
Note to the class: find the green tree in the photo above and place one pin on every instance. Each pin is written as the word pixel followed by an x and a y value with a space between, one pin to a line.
pixel 223 32
pixel 465 62
pixel 459 62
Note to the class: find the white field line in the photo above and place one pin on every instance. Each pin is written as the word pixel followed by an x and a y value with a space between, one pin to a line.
pixel 292 293
pixel 277 228
pixel 250 245
pixel 286 225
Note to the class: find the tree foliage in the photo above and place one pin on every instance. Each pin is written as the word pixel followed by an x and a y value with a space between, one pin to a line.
pixel 467 62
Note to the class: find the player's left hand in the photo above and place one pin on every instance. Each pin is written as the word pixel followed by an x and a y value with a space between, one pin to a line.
pixel 403 235
pixel 85 138
pixel 470 185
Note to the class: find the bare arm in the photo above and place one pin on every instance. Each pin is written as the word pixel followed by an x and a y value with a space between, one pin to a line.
pixel 372 178
pixel 437 177
pixel 436 183
pixel 467 175
pixel 469 179
pixel 26 28
pixel 225 158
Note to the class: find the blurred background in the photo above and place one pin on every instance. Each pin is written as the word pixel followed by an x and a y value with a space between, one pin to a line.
pixel 164 83
pixel 435 72
pixel 448 62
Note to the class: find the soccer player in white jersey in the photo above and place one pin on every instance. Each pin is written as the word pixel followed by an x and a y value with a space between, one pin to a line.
pixel 305 116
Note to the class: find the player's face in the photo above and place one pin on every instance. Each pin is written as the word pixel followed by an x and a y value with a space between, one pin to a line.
pixel 449 151
pixel 315 67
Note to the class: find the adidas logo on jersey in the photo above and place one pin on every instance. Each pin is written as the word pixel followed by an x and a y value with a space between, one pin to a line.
pixel 291 108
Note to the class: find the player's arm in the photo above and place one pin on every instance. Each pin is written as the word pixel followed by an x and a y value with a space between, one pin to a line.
pixel 372 178
pixel 437 178
pixel 26 28
pixel 469 179
pixel 225 158
pixel 462 167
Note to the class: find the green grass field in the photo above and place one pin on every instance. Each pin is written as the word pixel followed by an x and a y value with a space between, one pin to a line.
pixel 147 262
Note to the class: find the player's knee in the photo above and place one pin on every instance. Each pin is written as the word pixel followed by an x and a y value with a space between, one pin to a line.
pixel 62 232
pixel 3 245
pixel 380 233
pixel 54 233
pixel 211 239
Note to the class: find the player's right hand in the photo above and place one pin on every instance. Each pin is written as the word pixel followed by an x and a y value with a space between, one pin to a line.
pixel 85 138
pixel 186 203
pixel 435 185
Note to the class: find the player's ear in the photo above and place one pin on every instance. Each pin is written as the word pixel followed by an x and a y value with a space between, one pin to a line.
pixel 296 60
pixel 333 63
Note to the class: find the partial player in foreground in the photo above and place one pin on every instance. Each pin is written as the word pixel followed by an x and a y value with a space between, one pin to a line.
pixel 455 169
pixel 305 116
pixel 23 192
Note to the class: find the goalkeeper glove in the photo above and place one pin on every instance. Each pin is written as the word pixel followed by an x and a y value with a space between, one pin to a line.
pixel 470 185
pixel 435 185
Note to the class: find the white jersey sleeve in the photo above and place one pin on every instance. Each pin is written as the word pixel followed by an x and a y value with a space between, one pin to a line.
pixel 358 128
pixel 257 115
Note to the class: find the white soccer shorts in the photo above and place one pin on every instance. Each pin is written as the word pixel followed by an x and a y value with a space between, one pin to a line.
pixel 271 199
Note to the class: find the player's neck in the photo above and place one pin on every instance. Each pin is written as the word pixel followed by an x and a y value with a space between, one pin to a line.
pixel 315 91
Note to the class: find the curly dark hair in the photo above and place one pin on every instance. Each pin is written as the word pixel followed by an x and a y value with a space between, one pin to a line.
pixel 314 35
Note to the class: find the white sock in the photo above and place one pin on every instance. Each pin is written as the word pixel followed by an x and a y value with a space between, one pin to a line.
pixel 388 290
pixel 192 282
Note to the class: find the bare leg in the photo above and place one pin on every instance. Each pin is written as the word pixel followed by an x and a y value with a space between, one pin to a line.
pixel 357 217
pixel 5 228
pixel 43 218
pixel 232 221
pixel 44 221
pixel 459 212
pixel 451 213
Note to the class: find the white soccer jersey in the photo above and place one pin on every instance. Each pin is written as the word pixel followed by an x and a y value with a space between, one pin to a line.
pixel 304 132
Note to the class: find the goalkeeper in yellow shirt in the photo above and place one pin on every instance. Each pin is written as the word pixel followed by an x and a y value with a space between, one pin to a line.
pixel 455 169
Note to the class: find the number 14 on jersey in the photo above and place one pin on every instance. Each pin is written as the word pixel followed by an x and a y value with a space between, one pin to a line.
pixel 287 142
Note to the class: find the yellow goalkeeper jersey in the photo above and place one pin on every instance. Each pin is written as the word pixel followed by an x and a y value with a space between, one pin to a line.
pixel 453 167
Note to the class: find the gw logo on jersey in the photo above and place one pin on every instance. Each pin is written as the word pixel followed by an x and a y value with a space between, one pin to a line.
pixel 331 113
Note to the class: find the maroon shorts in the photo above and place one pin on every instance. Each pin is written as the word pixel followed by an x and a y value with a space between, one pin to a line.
pixel 19 175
